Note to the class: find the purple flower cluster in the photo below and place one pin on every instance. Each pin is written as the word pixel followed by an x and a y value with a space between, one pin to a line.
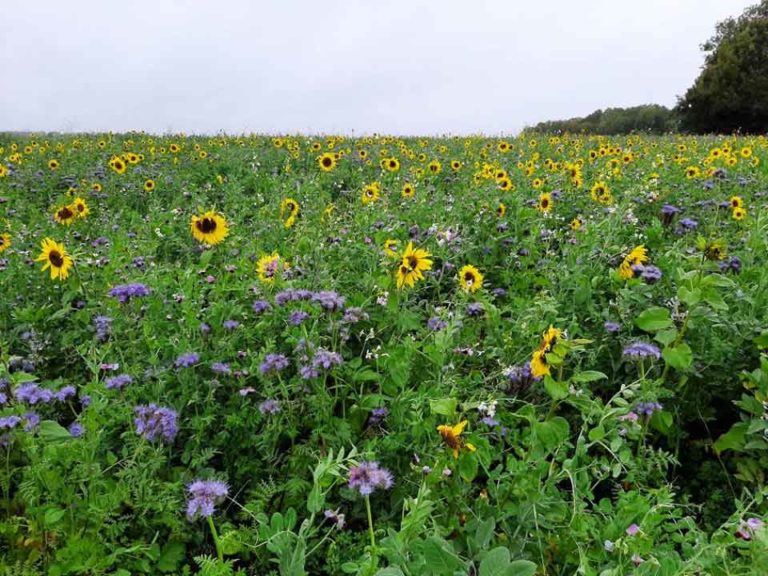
pixel 274 363
pixel 118 382
pixel 322 360
pixel 125 292
pixel 103 325
pixel 261 306
pixel 436 323
pixel 648 408
pixel 475 309
pixel 642 350
pixel 292 295
pixel 354 315
pixel 327 299
pixel 269 407
pixel 187 360
pixel 520 377
pixel 611 327
pixel 748 528
pixel 154 421
pixel 296 317
pixel 368 476
pixel 221 368
pixel 204 495
pixel 733 265
pixel 31 393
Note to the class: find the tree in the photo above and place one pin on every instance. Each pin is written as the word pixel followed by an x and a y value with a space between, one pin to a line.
pixel 731 93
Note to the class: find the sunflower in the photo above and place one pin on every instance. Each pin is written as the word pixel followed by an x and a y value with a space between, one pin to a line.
pixel 505 184
pixel 692 172
pixel 452 437
pixel 209 228
pixel 739 213
pixel 370 193
pixel 202 154
pixel 545 202
pixel 503 147
pixel 576 224
pixel 470 279
pixel 715 250
pixel 746 152
pixel 326 162
pixel 55 257
pixel 390 248
pixel 539 366
pixel 3 171
pixel 80 207
pixel 316 146
pixel 268 267
pixel 415 261
pixel 132 158
pixel 290 207
pixel 435 167
pixel 53 164
pixel 638 255
pixel 736 202
pixel 601 193
pixel 501 210
pixel 408 190
pixel 537 183
pixel 362 154
pixel 117 165
pixel 5 242
pixel 550 338
pixel 96 187
pixel 174 148
pixel 391 164
pixel 455 165
pixel 149 185
pixel 65 215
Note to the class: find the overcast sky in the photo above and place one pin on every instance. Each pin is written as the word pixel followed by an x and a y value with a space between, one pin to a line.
pixel 335 66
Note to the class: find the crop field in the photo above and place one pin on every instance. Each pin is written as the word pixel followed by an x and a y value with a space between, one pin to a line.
pixel 540 355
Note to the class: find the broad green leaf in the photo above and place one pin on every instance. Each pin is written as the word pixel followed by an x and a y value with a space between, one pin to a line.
pixel 444 406
pixel 733 439
pixel 654 319
pixel 679 357
pixel 495 562
pixel 588 376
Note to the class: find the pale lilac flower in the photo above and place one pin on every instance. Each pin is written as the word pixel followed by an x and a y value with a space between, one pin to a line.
pixel 368 476
pixel 125 292
pixel 641 350
pixel 118 382
pixel 204 495
pixel 187 360
pixel 153 422
pixel 269 407
pixel 273 363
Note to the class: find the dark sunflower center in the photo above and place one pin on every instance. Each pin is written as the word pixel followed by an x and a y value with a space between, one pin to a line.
pixel 413 262
pixel 326 162
pixel 81 207
pixel 206 225
pixel 469 278
pixel 65 213
pixel 544 203
pixel 56 259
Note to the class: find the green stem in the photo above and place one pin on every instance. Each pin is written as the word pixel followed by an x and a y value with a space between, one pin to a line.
pixel 370 526
pixel 216 542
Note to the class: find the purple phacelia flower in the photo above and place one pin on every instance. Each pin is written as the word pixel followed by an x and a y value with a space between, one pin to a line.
pixel 354 315
pixel 118 382
pixel 269 407
pixel 230 324
pixel 475 309
pixel 261 306
pixel 221 368
pixel 204 495
pixel 76 429
pixel 273 363
pixel 296 317
pixel 187 360
pixel 155 422
pixel 64 393
pixel 641 350
pixel 611 327
pixel 329 300
pixel 436 324
pixel 366 477
pixel 125 292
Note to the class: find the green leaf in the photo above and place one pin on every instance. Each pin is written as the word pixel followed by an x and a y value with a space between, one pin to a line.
pixel 171 557
pixel 588 376
pixel 666 337
pixel 762 340
pixel 390 571
pixel 51 431
pixel 444 406
pixel 733 439
pixel 521 568
pixel 679 357
pixel 53 516
pixel 495 563
pixel 553 432
pixel 557 390
pixel 654 319
pixel 440 556
pixel 467 466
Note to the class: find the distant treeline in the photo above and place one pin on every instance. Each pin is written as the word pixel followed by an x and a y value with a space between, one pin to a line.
pixel 730 94
pixel 649 118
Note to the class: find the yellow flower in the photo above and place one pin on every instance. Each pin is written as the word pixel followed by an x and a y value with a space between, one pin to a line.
pixel 268 267
pixel 80 207
pixel 290 207
pixel 149 185
pixel 501 210
pixel 370 193
pixel 470 279
pixel 65 215
pixel 117 164
pixel 390 248
pixel 545 202
pixel 736 202
pixel 53 164
pixel 209 228
pixel 435 167
pixel 5 242
pixel 327 162
pixel 539 366
pixel 55 257
pixel 638 255
pixel 739 213
pixel 576 223
pixel 408 190
pixel 601 193
pixel 452 437
pixel 415 261
pixel 391 164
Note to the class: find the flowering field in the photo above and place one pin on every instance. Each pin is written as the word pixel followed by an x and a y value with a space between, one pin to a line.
pixel 298 355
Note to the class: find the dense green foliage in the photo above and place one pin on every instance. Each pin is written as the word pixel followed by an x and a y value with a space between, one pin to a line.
pixel 731 93
pixel 649 119
pixel 629 274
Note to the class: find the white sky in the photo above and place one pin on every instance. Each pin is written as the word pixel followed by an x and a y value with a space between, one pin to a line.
pixel 390 66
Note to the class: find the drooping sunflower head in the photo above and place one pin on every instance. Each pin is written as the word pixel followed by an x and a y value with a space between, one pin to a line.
pixel 5 242
pixel 451 435
pixel 80 207
pixel 470 279
pixel 55 257
pixel 209 228
pixel 550 338
pixel 65 215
